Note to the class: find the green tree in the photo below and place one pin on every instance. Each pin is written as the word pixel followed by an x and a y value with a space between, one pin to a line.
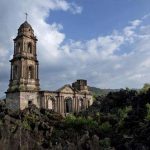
pixel 123 113
pixel 146 87
pixel 105 127
pixel 147 118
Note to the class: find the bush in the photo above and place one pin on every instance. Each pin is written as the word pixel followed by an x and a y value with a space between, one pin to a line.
pixel 105 143
pixel 123 113
pixel 79 122
pixel 26 125
pixel 147 118
pixel 105 127
pixel 29 121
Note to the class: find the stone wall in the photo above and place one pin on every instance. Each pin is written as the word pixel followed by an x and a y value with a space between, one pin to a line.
pixel 12 100
pixel 29 97
pixel 20 100
pixel 57 101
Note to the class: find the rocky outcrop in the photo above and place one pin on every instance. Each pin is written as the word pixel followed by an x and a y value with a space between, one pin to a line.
pixel 39 129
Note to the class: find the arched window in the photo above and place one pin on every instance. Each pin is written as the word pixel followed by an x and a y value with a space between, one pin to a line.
pixel 29 47
pixel 15 73
pixel 68 105
pixel 51 104
pixel 81 106
pixel 19 47
pixel 30 72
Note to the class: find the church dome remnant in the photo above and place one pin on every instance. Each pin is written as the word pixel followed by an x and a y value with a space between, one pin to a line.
pixel 26 29
pixel 25 25
pixel 24 87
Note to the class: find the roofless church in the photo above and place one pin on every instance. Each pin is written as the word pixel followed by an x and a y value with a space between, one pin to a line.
pixel 24 87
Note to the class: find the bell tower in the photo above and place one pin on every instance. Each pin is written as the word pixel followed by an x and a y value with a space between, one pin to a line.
pixel 24 65
pixel 24 80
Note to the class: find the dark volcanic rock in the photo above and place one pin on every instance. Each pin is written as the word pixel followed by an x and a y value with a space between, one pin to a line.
pixel 120 121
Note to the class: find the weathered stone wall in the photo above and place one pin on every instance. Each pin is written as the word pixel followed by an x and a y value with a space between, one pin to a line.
pixel 20 100
pixel 12 100
pixel 56 100
pixel 25 97
pixel 48 100
pixel 45 96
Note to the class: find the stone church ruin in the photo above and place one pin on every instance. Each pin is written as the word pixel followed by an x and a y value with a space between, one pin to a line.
pixel 24 87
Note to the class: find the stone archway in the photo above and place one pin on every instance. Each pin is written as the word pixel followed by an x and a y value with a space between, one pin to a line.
pixel 68 105
pixel 81 106
pixel 51 103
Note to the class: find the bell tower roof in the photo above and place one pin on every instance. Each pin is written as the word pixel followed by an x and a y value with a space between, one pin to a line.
pixel 25 25
pixel 25 29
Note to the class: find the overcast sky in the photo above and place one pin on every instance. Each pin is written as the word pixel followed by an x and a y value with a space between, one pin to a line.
pixel 106 42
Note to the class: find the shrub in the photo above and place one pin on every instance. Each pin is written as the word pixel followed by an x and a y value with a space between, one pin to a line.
pixel 29 121
pixel 123 113
pixel 79 122
pixel 105 143
pixel 105 127
pixel 26 125
pixel 147 117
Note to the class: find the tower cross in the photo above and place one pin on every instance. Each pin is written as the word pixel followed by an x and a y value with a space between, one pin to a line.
pixel 26 16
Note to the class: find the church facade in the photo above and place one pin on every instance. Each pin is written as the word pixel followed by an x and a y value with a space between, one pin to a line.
pixel 24 87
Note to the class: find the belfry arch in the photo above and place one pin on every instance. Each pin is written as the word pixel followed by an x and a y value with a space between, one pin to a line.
pixel 31 72
pixel 30 47
pixel 15 72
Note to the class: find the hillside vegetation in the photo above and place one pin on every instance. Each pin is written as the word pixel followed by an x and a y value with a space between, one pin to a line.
pixel 120 120
pixel 99 92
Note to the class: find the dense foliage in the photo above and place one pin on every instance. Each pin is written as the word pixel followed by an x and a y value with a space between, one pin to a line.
pixel 120 120
pixel 128 114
